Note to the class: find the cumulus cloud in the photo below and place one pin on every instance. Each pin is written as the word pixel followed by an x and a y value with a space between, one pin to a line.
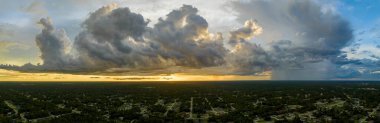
pixel 249 30
pixel 301 22
pixel 117 37
pixel 114 37
pixel 53 45
pixel 300 35
pixel 185 40
pixel 247 57
pixel 295 39
pixel 102 43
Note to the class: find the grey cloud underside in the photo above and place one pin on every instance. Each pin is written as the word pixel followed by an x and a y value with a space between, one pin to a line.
pixel 52 45
pixel 184 39
pixel 300 40
pixel 102 43
pixel 303 40
pixel 118 38
pixel 302 24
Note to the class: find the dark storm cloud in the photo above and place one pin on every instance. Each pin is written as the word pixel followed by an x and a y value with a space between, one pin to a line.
pixel 301 35
pixel 302 22
pixel 295 39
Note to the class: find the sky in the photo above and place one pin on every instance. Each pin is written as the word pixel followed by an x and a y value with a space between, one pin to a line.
pixel 240 39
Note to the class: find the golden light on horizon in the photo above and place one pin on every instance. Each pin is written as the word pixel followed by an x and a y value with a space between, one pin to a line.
pixel 15 76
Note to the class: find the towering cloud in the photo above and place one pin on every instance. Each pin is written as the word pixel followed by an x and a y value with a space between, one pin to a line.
pixel 115 37
pixel 295 39
pixel 246 57
pixel 102 43
pixel 53 45
pixel 185 40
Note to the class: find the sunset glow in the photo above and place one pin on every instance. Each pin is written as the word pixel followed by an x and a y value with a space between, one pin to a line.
pixel 189 40
pixel 190 61
pixel 6 75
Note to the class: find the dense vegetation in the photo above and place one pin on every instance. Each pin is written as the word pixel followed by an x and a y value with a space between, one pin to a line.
pixel 273 101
